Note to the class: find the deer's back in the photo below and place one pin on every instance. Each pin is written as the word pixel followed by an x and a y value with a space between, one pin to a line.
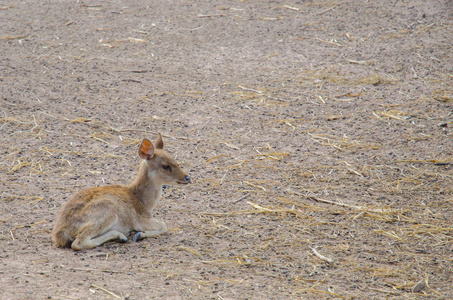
pixel 94 203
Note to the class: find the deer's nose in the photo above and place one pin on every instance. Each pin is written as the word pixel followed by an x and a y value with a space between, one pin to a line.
pixel 187 178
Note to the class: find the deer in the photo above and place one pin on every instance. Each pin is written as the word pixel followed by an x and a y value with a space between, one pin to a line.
pixel 97 215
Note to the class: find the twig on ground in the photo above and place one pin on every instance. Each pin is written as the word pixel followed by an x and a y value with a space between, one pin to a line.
pixel 107 291
pixel 242 198
pixel 190 250
pixel 376 210
pixel 326 10
pixel 262 93
pixel 319 255
pixel 4 122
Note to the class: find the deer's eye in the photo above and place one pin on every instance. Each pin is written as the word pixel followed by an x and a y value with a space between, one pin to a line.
pixel 166 167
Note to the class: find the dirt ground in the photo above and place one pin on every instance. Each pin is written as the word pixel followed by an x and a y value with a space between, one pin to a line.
pixel 318 135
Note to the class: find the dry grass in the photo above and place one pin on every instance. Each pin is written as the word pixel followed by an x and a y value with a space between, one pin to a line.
pixel 330 178
pixel 419 228
pixel 306 218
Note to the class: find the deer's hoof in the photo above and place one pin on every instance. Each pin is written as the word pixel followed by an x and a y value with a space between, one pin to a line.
pixel 122 239
pixel 137 236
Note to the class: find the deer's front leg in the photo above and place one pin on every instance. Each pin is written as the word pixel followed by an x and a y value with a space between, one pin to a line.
pixel 153 228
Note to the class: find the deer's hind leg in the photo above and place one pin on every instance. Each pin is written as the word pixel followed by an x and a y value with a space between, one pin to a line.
pixel 151 228
pixel 91 235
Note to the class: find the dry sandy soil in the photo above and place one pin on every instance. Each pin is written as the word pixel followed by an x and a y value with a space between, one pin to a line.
pixel 318 135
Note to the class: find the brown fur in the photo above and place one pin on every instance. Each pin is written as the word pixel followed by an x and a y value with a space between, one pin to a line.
pixel 96 215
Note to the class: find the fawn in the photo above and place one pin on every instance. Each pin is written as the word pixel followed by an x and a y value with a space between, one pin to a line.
pixel 96 215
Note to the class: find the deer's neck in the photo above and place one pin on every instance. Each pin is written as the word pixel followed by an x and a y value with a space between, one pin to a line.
pixel 145 188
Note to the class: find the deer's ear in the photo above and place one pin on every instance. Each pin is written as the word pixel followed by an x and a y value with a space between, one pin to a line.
pixel 146 150
pixel 159 143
